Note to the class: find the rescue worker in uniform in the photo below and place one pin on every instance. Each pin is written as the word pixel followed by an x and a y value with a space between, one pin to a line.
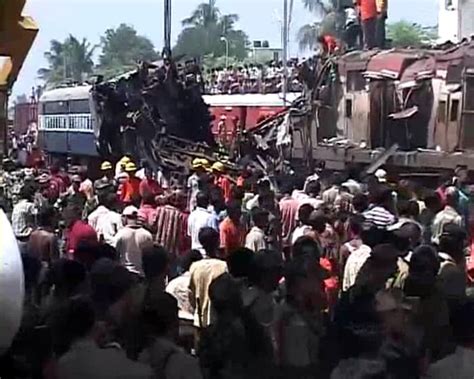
pixel 131 191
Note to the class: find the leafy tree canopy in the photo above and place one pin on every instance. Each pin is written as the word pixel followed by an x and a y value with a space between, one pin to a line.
pixel 122 49
pixel 406 34
pixel 203 32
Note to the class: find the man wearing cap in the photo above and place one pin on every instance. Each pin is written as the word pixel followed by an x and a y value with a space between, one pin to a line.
pixel 130 193
pixel 131 240
pixel 448 215
pixel 120 166
pixel 221 181
pixel 196 180
pixel 107 175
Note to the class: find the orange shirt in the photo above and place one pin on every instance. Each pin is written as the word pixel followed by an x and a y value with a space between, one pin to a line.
pixel 368 9
pixel 131 190
pixel 224 184
pixel 232 236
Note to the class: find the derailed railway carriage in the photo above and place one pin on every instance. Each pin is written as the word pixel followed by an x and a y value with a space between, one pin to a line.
pixel 66 126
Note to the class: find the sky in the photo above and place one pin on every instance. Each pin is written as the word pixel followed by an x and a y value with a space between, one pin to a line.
pixel 90 18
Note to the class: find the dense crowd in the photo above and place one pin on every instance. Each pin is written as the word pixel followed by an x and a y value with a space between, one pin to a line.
pixel 252 78
pixel 328 276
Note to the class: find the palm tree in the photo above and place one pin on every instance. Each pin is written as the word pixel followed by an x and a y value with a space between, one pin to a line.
pixel 326 12
pixel 68 60
pixel 205 15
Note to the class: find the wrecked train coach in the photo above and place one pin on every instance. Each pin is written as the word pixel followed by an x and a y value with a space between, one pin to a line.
pixel 154 113
pixel 410 109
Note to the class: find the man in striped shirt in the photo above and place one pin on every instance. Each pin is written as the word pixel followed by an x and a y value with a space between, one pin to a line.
pixel 380 214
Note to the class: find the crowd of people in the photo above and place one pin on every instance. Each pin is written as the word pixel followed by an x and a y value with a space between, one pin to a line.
pixel 329 276
pixel 252 78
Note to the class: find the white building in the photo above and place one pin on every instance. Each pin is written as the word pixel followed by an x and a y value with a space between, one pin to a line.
pixel 455 20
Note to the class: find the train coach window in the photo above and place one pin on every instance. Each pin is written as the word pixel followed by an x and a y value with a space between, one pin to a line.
pixel 453 114
pixel 55 107
pixel 79 106
pixel 442 111
pixel 349 108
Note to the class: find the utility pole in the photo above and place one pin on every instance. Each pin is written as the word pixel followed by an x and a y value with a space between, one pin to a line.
pixel 285 49
pixel 167 31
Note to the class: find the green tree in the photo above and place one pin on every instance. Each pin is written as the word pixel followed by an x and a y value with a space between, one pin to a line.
pixel 327 14
pixel 70 60
pixel 203 31
pixel 122 49
pixel 406 34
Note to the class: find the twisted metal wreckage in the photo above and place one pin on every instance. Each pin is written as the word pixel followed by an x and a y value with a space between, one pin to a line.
pixel 164 120
pixel 161 115
pixel 404 108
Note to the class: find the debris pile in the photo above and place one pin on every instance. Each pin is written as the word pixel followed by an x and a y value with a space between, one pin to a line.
pixel 154 113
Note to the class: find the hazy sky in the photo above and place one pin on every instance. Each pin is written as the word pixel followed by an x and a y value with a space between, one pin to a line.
pixel 90 18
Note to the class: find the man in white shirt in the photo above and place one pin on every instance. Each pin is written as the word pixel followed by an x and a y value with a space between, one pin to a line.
pixel 179 287
pixel 256 239
pixel 132 240
pixel 448 215
pixel 106 222
pixel 200 218
pixel 304 212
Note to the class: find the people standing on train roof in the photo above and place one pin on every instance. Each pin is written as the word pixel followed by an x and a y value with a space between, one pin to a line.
pixel 382 7
pixel 368 16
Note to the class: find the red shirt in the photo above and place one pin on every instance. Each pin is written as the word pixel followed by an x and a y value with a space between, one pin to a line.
pixel 149 186
pixel 147 213
pixel 368 9
pixel 59 181
pixel 232 236
pixel 80 232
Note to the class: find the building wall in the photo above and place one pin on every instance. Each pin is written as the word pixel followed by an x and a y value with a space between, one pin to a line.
pixel 455 20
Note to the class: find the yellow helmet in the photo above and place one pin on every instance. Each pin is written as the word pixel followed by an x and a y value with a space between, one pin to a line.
pixel 205 163
pixel 130 166
pixel 125 159
pixel 106 165
pixel 218 166
pixel 197 162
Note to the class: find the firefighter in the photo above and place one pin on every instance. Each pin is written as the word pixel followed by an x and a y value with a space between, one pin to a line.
pixel 130 194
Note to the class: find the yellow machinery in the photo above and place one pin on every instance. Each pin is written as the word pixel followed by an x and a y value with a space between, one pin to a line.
pixel 17 33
